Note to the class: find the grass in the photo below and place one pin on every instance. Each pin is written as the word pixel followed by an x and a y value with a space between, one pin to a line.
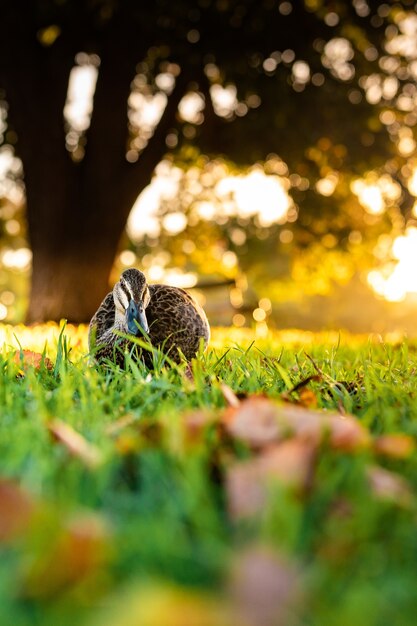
pixel 126 519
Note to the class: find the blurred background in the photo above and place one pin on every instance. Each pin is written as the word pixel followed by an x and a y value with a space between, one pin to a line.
pixel 260 153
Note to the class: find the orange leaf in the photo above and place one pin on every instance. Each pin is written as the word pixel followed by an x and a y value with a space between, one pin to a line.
pixel 229 395
pixel 347 434
pixel 16 509
pixel 195 425
pixel 290 463
pixel 80 550
pixel 27 358
pixel 390 486
pixel 264 588
pixel 75 443
pixel 308 398
pixel 254 421
pixel 395 446
pixel 260 422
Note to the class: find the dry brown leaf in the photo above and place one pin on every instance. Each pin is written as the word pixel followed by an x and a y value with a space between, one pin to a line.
pixel 387 485
pixel 265 588
pixel 254 421
pixel 195 425
pixel 16 509
pixel 188 373
pixel 27 358
pixel 395 446
pixel 80 550
pixel 229 395
pixel 347 434
pixel 245 489
pixel 343 431
pixel 260 422
pixel 115 427
pixel 308 398
pixel 290 463
pixel 75 443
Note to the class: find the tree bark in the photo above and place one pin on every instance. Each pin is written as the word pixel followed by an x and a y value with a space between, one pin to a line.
pixel 76 211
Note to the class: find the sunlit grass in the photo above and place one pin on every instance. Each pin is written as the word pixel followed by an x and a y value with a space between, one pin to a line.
pixel 123 514
pixel 44 337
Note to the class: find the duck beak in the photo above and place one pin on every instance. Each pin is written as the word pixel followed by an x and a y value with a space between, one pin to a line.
pixel 135 316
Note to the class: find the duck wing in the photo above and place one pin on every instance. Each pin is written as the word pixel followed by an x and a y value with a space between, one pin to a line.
pixel 102 320
pixel 176 321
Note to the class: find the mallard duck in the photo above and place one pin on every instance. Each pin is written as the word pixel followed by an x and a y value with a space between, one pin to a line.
pixel 172 319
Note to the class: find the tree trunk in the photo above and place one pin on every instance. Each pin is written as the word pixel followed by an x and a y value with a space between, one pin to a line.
pixel 76 211
pixel 72 253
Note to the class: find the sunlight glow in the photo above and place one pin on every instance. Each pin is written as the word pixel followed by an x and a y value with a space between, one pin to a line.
pixel 370 197
pixel 326 186
pixel 144 219
pixel 79 104
pixel 146 110
pixel 395 283
pixel 412 183
pixel 19 259
pixel 174 223
pixel 375 194
pixel 10 169
pixel 224 99
pixel 191 106
pixel 254 195
pixel 258 194
pixel 301 72
pixel 405 43
pixel 337 54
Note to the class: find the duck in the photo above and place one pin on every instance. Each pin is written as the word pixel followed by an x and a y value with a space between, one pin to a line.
pixel 168 317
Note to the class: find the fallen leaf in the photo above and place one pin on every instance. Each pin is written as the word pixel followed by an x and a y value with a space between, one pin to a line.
pixel 290 463
pixel 259 422
pixel 188 373
pixel 347 434
pixel 254 421
pixel 265 588
pixel 195 425
pixel 80 550
pixel 245 489
pixel 308 398
pixel 395 446
pixel 16 509
pixel 387 485
pixel 115 427
pixel 75 443
pixel 27 358
pixel 229 395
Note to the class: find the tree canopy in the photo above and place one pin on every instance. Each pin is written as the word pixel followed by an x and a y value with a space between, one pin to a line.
pixel 321 93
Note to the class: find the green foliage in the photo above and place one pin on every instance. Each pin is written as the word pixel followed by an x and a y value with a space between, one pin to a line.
pixel 317 94
pixel 150 506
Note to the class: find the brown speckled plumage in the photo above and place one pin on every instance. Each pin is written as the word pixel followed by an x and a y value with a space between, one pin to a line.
pixel 177 324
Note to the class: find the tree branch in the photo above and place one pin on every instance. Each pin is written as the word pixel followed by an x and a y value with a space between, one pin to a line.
pixel 138 174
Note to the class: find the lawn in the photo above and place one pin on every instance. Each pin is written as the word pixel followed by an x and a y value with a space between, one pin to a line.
pixel 272 483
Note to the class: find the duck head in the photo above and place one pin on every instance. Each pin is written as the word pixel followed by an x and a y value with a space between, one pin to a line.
pixel 131 297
